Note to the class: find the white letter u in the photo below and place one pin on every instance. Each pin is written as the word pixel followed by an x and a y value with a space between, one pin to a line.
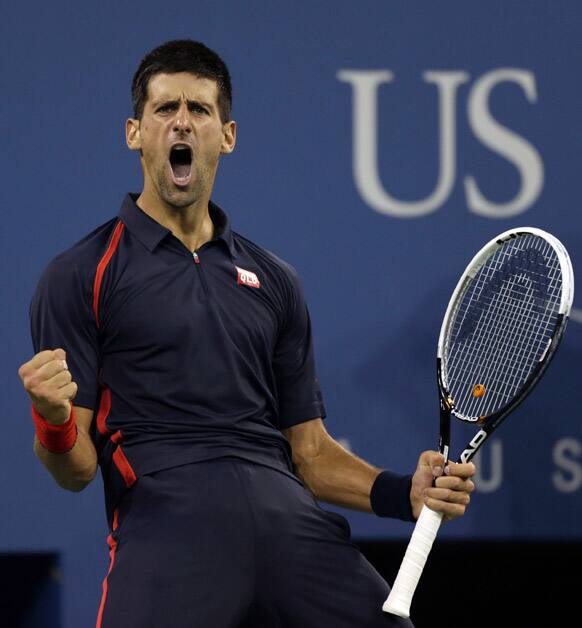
pixel 365 145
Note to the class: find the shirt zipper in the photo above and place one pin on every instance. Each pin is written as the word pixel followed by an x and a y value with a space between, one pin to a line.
pixel 200 273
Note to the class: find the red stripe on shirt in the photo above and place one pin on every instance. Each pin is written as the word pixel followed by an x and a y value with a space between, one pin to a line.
pixel 113 244
pixel 124 467
pixel 119 459
pixel 104 409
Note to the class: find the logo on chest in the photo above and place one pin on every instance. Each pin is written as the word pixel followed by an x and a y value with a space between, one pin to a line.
pixel 247 278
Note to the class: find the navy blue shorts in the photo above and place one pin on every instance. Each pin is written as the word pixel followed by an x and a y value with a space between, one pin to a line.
pixel 232 544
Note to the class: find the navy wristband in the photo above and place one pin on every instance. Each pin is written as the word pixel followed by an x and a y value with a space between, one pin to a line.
pixel 390 496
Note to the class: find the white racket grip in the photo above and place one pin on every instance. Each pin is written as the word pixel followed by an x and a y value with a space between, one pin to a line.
pixel 425 531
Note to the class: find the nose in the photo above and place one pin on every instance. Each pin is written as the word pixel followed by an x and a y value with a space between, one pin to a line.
pixel 182 119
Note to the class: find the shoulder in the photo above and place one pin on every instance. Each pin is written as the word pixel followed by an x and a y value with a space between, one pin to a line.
pixel 267 262
pixel 79 261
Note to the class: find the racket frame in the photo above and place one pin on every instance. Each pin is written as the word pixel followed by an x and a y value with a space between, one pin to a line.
pixel 490 423
pixel 429 521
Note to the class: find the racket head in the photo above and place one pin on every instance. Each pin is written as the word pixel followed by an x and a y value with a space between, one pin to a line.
pixel 503 324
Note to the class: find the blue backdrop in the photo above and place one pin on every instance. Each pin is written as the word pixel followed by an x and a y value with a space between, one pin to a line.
pixel 379 146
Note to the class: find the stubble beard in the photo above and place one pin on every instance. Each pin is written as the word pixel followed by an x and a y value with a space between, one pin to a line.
pixel 177 197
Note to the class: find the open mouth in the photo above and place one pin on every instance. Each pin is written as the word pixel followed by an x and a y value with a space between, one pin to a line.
pixel 181 163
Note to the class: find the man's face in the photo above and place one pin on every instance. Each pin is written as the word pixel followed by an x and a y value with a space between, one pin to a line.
pixel 181 137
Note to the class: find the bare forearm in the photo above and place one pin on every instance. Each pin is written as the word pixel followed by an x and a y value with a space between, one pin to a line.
pixel 74 469
pixel 338 477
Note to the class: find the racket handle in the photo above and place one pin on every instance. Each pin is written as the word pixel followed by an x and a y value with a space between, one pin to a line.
pixel 425 531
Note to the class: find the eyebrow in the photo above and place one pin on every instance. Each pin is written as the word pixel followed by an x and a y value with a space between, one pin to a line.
pixel 173 101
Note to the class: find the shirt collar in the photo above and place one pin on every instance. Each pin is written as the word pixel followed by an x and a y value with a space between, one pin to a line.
pixel 150 232
pixel 222 230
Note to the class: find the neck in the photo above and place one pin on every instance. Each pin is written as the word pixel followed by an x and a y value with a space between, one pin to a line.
pixel 191 224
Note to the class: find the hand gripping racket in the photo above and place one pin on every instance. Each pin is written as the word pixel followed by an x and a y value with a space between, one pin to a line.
pixel 502 326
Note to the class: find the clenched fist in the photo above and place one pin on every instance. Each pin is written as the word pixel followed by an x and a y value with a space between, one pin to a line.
pixel 49 384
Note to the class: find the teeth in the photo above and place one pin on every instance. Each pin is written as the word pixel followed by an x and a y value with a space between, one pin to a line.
pixel 180 147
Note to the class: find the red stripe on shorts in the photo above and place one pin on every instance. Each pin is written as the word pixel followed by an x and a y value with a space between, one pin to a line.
pixel 112 549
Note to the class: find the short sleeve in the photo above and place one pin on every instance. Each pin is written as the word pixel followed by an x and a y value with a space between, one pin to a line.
pixel 61 316
pixel 298 389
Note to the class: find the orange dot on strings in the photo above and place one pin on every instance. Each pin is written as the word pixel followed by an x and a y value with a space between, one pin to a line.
pixel 478 390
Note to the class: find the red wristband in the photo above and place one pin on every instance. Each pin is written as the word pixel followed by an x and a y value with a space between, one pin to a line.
pixel 58 439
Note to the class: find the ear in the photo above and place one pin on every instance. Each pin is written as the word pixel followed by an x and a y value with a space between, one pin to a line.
pixel 132 134
pixel 228 137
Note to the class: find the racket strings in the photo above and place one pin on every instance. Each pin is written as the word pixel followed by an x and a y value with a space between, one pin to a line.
pixel 549 316
pixel 505 349
pixel 469 361
pixel 513 346
pixel 502 325
pixel 512 350
pixel 498 345
pixel 509 349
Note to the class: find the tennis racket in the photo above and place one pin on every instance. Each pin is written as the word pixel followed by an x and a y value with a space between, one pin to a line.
pixel 502 326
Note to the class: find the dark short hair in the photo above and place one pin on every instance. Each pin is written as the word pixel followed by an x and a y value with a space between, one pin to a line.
pixel 182 55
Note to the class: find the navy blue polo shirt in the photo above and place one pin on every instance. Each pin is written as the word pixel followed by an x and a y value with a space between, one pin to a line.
pixel 184 356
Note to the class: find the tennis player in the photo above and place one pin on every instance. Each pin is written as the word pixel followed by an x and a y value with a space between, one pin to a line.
pixel 177 356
